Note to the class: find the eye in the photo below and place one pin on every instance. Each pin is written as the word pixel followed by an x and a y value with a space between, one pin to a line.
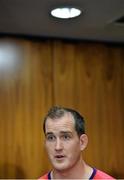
pixel 50 137
pixel 66 137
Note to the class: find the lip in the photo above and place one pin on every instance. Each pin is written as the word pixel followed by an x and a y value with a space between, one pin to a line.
pixel 59 156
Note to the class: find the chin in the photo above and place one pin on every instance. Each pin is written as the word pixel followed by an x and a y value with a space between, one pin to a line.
pixel 60 167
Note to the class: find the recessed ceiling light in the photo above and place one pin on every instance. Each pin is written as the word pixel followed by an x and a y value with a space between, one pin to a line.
pixel 66 12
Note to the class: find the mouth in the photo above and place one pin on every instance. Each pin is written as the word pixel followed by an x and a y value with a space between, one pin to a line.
pixel 59 157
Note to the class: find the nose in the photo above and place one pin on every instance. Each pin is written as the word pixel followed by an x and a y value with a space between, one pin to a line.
pixel 58 145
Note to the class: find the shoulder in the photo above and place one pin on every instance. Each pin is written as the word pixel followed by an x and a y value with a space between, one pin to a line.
pixel 102 175
pixel 45 176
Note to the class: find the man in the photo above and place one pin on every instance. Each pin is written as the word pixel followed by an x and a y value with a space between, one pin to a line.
pixel 65 140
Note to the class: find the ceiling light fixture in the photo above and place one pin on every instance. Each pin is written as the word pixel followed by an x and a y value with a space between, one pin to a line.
pixel 65 12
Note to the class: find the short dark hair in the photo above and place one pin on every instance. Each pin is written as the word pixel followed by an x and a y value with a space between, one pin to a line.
pixel 58 112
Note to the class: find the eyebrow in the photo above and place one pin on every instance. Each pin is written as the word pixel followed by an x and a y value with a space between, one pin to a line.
pixel 48 133
pixel 65 132
pixel 61 132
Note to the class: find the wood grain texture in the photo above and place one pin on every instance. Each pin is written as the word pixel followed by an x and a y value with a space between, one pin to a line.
pixel 85 76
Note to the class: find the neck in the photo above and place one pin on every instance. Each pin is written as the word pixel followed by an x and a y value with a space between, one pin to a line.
pixel 80 171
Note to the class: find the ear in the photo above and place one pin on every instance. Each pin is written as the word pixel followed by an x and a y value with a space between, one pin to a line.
pixel 83 141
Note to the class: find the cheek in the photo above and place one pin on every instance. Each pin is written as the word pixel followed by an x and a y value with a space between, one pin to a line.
pixel 75 152
pixel 49 148
pixel 73 148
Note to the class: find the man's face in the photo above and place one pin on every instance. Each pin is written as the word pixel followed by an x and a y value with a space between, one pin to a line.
pixel 62 142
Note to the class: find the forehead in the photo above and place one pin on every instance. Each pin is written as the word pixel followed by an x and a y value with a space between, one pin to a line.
pixel 65 123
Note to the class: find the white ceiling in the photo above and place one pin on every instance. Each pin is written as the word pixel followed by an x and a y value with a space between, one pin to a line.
pixel 32 18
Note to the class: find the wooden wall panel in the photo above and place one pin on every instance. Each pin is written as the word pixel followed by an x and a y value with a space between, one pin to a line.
pixel 91 81
pixel 85 76
pixel 64 74
pixel 101 101
pixel 24 99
